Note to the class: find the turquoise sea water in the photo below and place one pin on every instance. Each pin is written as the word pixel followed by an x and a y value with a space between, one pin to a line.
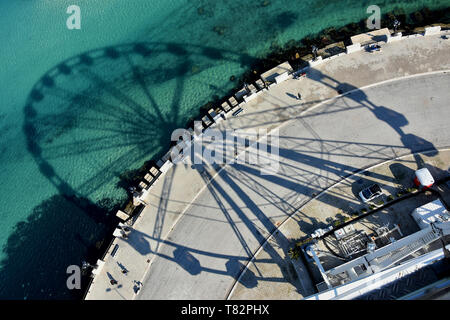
pixel 80 107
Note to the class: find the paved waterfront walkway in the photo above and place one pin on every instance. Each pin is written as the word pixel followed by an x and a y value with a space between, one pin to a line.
pixel 334 203
pixel 202 226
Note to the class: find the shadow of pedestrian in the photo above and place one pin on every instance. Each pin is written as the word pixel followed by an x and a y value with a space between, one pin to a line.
pixel 293 96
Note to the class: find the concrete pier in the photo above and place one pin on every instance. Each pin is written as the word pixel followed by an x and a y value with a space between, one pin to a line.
pixel 203 224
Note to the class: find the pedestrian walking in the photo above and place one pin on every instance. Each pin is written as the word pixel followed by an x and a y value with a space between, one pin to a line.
pixel 299 96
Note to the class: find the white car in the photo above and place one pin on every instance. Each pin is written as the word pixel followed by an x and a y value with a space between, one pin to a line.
pixel 370 193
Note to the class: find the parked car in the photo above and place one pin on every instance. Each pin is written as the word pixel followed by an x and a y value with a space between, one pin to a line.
pixel 370 193
pixel 373 48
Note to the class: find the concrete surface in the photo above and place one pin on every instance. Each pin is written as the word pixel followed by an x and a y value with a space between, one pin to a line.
pixel 203 226
pixel 313 154
pixel 339 201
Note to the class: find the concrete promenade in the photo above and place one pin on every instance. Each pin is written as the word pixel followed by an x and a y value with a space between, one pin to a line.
pixel 334 203
pixel 203 224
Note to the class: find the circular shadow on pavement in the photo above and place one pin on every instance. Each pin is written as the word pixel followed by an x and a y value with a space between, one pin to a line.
pixel 187 261
pixel 235 268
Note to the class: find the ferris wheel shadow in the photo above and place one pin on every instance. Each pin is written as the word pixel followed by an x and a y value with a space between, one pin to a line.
pixel 124 100
pixel 105 101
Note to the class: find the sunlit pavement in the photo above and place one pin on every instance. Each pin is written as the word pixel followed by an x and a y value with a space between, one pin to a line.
pixel 202 227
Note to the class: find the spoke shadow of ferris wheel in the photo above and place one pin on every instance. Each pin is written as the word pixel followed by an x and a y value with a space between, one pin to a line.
pixel 104 111
pixel 87 120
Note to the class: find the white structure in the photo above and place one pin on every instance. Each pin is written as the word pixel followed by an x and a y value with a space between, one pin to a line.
pixel 432 30
pixel 282 77
pixel 371 36
pixel 98 267
pixel 315 62
pixel 396 37
pixel 241 93
pixel 353 48
pixel 198 127
pixel 377 280
pixel 278 74
pixel 217 117
pixel 341 233
pixel 165 166
pixel 430 213
pixel 122 215
pixel 423 178
pixel 250 96
pixel 381 266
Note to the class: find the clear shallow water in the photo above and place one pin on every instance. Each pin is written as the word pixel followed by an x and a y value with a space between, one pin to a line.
pixel 78 108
